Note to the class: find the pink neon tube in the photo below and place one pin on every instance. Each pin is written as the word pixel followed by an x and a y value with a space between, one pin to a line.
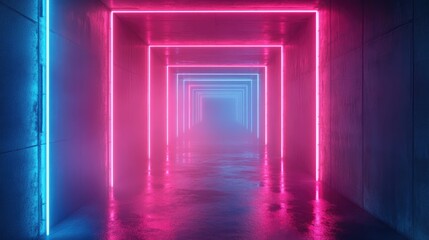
pixel 167 113
pixel 111 103
pixel 317 97
pixel 148 103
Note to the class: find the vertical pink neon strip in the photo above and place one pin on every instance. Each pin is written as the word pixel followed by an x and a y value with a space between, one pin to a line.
pixel 111 104
pixel 148 104
pixel 201 110
pixel 317 97
pixel 189 107
pixel 282 103
pixel 266 106
pixel 167 103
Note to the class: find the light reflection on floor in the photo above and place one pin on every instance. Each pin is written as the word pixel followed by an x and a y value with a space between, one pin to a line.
pixel 236 193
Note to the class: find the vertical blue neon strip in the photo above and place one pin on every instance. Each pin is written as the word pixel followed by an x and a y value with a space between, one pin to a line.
pixel 47 29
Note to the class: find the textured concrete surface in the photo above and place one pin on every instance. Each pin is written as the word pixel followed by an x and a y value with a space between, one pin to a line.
pixel 388 128
pixel 346 119
pixel 19 121
pixel 378 111
pixel 26 8
pixel 79 83
pixel 325 91
pixel 19 194
pixel 130 106
pixel 421 119
pixel 20 75
pixel 300 98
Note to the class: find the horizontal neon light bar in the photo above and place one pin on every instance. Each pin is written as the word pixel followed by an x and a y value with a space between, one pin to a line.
pixel 214 11
pixel 217 46
pixel 217 66
pixel 218 74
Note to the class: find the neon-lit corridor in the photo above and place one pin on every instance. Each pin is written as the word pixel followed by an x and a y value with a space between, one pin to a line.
pixel 186 119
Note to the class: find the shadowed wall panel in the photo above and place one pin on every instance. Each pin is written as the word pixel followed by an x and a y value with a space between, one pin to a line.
pixel 19 120
pixel 79 81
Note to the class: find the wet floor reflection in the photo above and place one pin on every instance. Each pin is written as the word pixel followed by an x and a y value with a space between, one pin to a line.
pixel 236 193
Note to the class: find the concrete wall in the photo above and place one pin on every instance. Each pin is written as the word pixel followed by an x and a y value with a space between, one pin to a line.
pixel 300 98
pixel 421 120
pixel 79 87
pixel 273 104
pixel 130 108
pixel 78 112
pixel 373 70
pixel 19 120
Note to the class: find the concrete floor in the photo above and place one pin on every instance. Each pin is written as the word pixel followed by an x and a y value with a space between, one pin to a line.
pixel 236 194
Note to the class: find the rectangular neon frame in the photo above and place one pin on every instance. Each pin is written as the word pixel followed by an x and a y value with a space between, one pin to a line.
pixel 111 96
pixel 208 90
pixel 227 46
pixel 231 87
pixel 220 74
pixel 199 94
pixel 216 66
pixel 231 80
pixel 225 92
pixel 201 97
pixel 124 11
pixel 266 78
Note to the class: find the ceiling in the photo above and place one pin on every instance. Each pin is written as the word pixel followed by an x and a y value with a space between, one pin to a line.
pixel 250 28
pixel 216 28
